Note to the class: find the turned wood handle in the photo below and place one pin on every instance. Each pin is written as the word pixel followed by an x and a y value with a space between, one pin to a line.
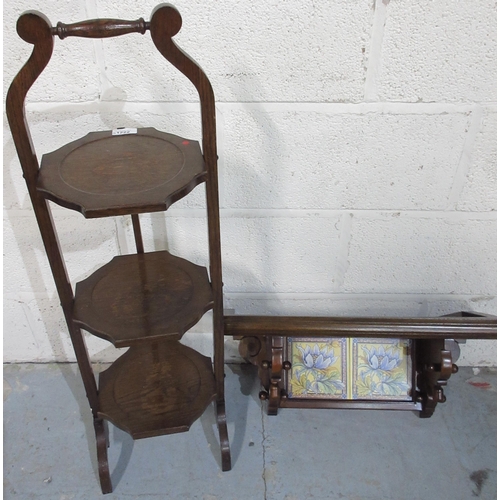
pixel 100 28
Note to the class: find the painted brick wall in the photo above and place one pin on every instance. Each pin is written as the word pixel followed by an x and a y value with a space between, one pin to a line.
pixel 357 144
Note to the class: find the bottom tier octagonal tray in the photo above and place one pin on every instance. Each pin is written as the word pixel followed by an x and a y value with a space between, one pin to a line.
pixel 156 389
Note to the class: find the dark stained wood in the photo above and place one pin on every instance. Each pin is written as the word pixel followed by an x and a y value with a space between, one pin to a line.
pixel 162 387
pixel 143 297
pixel 220 415
pixel 157 388
pixel 141 177
pixel 102 175
pixel 166 23
pixel 434 368
pixel 465 326
pixel 100 28
pixel 333 404
pixel 350 404
pixel 255 350
pixel 139 245
pixel 268 355
pixel 34 28
pixel 102 441
pixel 262 339
pixel 275 390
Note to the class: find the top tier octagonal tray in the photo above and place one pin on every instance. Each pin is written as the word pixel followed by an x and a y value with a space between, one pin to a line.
pixel 103 174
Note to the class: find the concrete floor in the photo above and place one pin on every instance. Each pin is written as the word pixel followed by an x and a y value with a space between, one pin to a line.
pixel 49 447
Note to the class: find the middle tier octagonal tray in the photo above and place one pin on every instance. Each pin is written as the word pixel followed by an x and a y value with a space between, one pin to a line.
pixel 143 297
pixel 103 174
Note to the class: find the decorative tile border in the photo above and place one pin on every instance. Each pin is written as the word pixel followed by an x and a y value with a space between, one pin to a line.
pixel 341 368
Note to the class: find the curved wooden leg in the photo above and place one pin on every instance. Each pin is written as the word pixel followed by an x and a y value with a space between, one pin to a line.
pixel 101 434
pixel 223 435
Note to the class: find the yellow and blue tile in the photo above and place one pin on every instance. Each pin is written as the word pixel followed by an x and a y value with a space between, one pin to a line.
pixel 319 368
pixel 340 368
pixel 381 369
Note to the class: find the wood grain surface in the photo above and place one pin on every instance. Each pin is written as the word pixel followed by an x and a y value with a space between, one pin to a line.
pixel 142 297
pixel 103 174
pixel 156 388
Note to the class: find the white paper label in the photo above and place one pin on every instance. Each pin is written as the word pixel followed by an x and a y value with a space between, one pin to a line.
pixel 124 131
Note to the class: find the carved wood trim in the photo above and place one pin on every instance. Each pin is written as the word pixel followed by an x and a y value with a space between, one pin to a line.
pixel 431 355
pixel 100 28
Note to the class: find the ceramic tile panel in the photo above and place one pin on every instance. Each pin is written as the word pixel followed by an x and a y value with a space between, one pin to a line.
pixel 319 368
pixel 381 369
pixel 350 369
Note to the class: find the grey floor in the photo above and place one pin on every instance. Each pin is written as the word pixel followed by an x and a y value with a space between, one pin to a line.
pixel 49 447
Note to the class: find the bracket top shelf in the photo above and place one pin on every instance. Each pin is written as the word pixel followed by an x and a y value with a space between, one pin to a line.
pixel 462 325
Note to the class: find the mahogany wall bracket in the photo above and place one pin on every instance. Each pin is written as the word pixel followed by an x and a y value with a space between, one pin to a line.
pixel 433 353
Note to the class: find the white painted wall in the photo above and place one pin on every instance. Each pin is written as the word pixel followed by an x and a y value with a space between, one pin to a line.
pixel 357 144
